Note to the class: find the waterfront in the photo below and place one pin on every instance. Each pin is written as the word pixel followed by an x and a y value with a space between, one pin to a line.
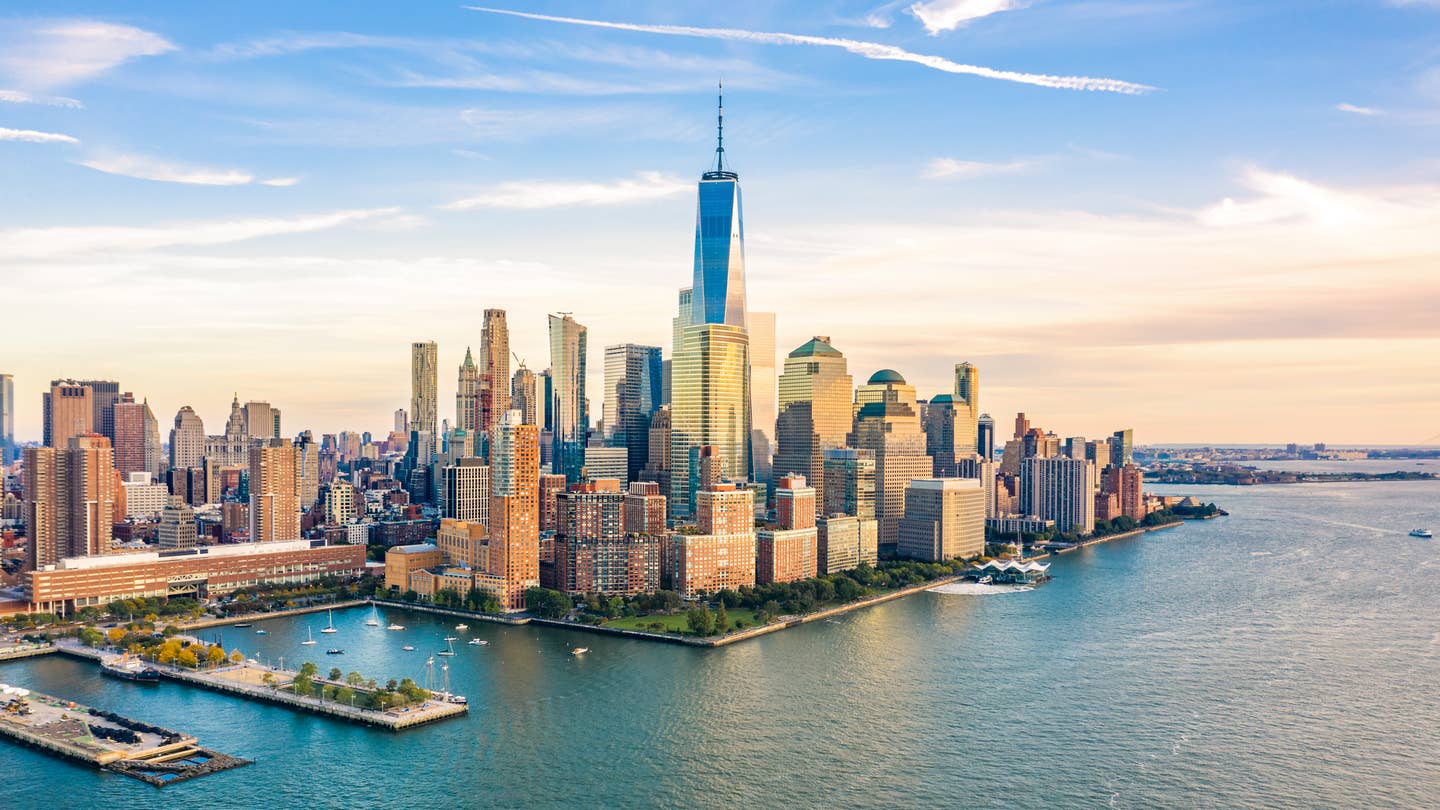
pixel 1288 654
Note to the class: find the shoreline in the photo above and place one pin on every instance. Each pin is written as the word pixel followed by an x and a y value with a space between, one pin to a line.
pixel 201 624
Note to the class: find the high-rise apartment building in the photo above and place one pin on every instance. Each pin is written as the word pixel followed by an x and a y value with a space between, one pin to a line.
pixel 644 509
pixel 524 396
pixel 187 440
pixel 944 520
pixel 402 419
pixel 466 493
pixel 632 394
pixel 494 390
pixel 764 401
pixel 570 416
pixel 550 485
pixel 815 413
pixel 844 542
pixel 72 499
pixel 424 380
pixel 69 410
pixel 177 528
pixel 722 555
pixel 1127 484
pixel 137 437
pixel 1059 489
pixel 593 554
pixel 514 507
pixel 341 507
pixel 787 551
pixel 274 491
pixel 887 422
pixel 103 396
pixel 467 394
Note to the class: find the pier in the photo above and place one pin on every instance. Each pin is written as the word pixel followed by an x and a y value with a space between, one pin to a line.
pixel 106 740
pixel 248 680
pixel 19 651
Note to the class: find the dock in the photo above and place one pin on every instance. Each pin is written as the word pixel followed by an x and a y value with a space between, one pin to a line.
pixel 248 680
pixel 19 651
pixel 105 740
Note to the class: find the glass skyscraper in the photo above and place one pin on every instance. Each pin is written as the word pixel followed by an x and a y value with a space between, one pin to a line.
pixel 719 283
pixel 632 393
pixel 569 410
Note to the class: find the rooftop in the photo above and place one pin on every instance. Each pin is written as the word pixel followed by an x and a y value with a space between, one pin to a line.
pixel 886 375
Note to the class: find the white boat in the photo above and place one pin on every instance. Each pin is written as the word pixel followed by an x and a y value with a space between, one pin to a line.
pixel 310 640
pixel 330 628
pixel 986 580
pixel 262 633
pixel 449 646
pixel 478 642
pixel 1421 533
pixel 374 620
pixel 462 626
pixel 394 626
pixel 580 651
pixel 408 648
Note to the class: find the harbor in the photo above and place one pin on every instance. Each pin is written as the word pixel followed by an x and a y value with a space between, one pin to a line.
pixel 105 740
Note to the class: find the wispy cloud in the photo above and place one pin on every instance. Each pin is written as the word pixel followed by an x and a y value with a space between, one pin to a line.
pixel 946 15
pixel 1282 198
pixel 532 194
pixel 46 243
pixel 1357 109
pixel 142 167
pixel 18 97
pixel 57 53
pixel 34 136
pixel 869 50
pixel 945 168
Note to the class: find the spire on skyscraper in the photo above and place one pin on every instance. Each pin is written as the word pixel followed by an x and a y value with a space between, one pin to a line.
pixel 720 172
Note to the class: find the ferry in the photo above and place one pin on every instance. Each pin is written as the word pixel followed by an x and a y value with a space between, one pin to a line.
pixel 130 670
pixel 985 580
pixel 580 651
pixel 1421 533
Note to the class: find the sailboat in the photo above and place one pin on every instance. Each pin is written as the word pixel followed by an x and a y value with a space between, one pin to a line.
pixel 449 646
pixel 330 628
pixel 310 638
pixel 374 620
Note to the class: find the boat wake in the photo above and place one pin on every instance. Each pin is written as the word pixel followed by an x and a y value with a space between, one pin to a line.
pixel 977 589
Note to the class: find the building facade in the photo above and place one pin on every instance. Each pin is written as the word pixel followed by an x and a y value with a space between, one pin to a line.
pixel 815 414
pixel 944 520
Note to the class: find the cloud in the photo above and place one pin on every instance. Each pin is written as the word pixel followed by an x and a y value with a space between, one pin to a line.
pixel 1284 198
pixel 869 50
pixel 58 53
pixel 951 168
pixel 17 97
pixel 33 136
pixel 533 194
pixel 59 242
pixel 1356 109
pixel 947 15
pixel 148 168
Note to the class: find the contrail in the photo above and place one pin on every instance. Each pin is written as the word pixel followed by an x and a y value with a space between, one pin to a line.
pixel 869 50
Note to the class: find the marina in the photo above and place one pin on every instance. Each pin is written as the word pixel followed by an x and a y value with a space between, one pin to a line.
pixel 154 755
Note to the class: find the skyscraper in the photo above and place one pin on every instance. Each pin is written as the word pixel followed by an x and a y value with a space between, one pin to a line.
pixel 569 408
pixel 967 410
pixel 764 404
pixel 683 312
pixel 887 421
pixel 137 436
pixel 632 394
pixel 71 496
pixel 814 409
pixel 1059 489
pixel 710 404
pixel 985 437
pixel 467 400
pixel 718 295
pixel 7 419
pixel 274 491
pixel 177 525
pixel 1122 448
pixel 69 410
pixel 103 396
pixel 424 371
pixel 514 507
pixel 524 396
pixel 849 483
pixel 944 519
pixel 261 420
pixel 187 440
pixel 232 447
pixel 494 390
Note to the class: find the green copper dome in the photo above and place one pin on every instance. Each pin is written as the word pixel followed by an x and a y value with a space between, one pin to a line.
pixel 886 375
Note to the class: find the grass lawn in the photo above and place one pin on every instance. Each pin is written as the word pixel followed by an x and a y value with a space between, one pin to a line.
pixel 675 622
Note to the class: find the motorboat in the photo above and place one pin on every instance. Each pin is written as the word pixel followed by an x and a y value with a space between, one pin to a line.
pixel 244 624
pixel 262 632
pixel 478 642
pixel 462 626
pixel 1421 533
pixel 330 628
pixel 394 626
pixel 310 638
pixel 580 651
pixel 408 648
pixel 985 580
pixel 334 651
pixel 129 669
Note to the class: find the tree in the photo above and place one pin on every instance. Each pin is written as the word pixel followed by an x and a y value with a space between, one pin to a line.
pixel 302 685
pixel 267 678
pixel 355 679
pixel 217 655
pixel 700 621
pixel 115 636
pixel 187 658
pixel 722 618
pixel 345 695
pixel 236 657
pixel 308 669
pixel 546 603
pixel 336 674
pixel 91 637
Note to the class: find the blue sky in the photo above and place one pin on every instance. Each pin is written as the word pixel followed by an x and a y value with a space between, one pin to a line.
pixel 278 197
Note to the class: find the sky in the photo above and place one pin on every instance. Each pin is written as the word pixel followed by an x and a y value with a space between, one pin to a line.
pixel 1209 221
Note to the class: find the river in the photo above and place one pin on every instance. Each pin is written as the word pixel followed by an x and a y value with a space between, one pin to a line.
pixel 1286 655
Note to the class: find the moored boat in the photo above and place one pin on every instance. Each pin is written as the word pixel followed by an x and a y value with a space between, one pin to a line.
pixel 129 669
pixel 1421 533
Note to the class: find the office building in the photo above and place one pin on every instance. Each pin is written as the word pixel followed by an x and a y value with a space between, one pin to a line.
pixel 764 403
pixel 103 396
pixel 424 380
pixel 709 405
pixel 467 394
pixel 137 437
pixel 494 390
pixel 143 497
pixel 7 420
pixel 632 394
pixel 524 395
pixel 815 413
pixel 569 408
pixel 945 436
pixel 1059 489
pixel 274 492
pixel 966 398
pixel 187 440
pixel 849 483
pixel 68 410
pixel 606 462
pixel 231 448
pixel 467 490
pixel 844 542
pixel 514 508
pixel 684 309
pixel 985 438
pixel 402 419
pixel 402 561
pixel 887 422
pixel 177 526
pixel 944 520
pixel 262 420
pixel 1122 448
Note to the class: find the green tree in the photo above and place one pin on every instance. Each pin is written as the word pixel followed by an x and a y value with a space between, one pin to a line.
pixel 546 603
pixel 303 685
pixel 91 637
pixel 309 669
pixel 355 679
pixel 345 695
pixel 336 674
pixel 700 621
pixel 722 618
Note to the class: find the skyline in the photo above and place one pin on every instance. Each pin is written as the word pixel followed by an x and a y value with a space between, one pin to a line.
pixel 1311 213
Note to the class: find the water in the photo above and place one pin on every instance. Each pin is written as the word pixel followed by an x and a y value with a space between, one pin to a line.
pixel 1286 655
